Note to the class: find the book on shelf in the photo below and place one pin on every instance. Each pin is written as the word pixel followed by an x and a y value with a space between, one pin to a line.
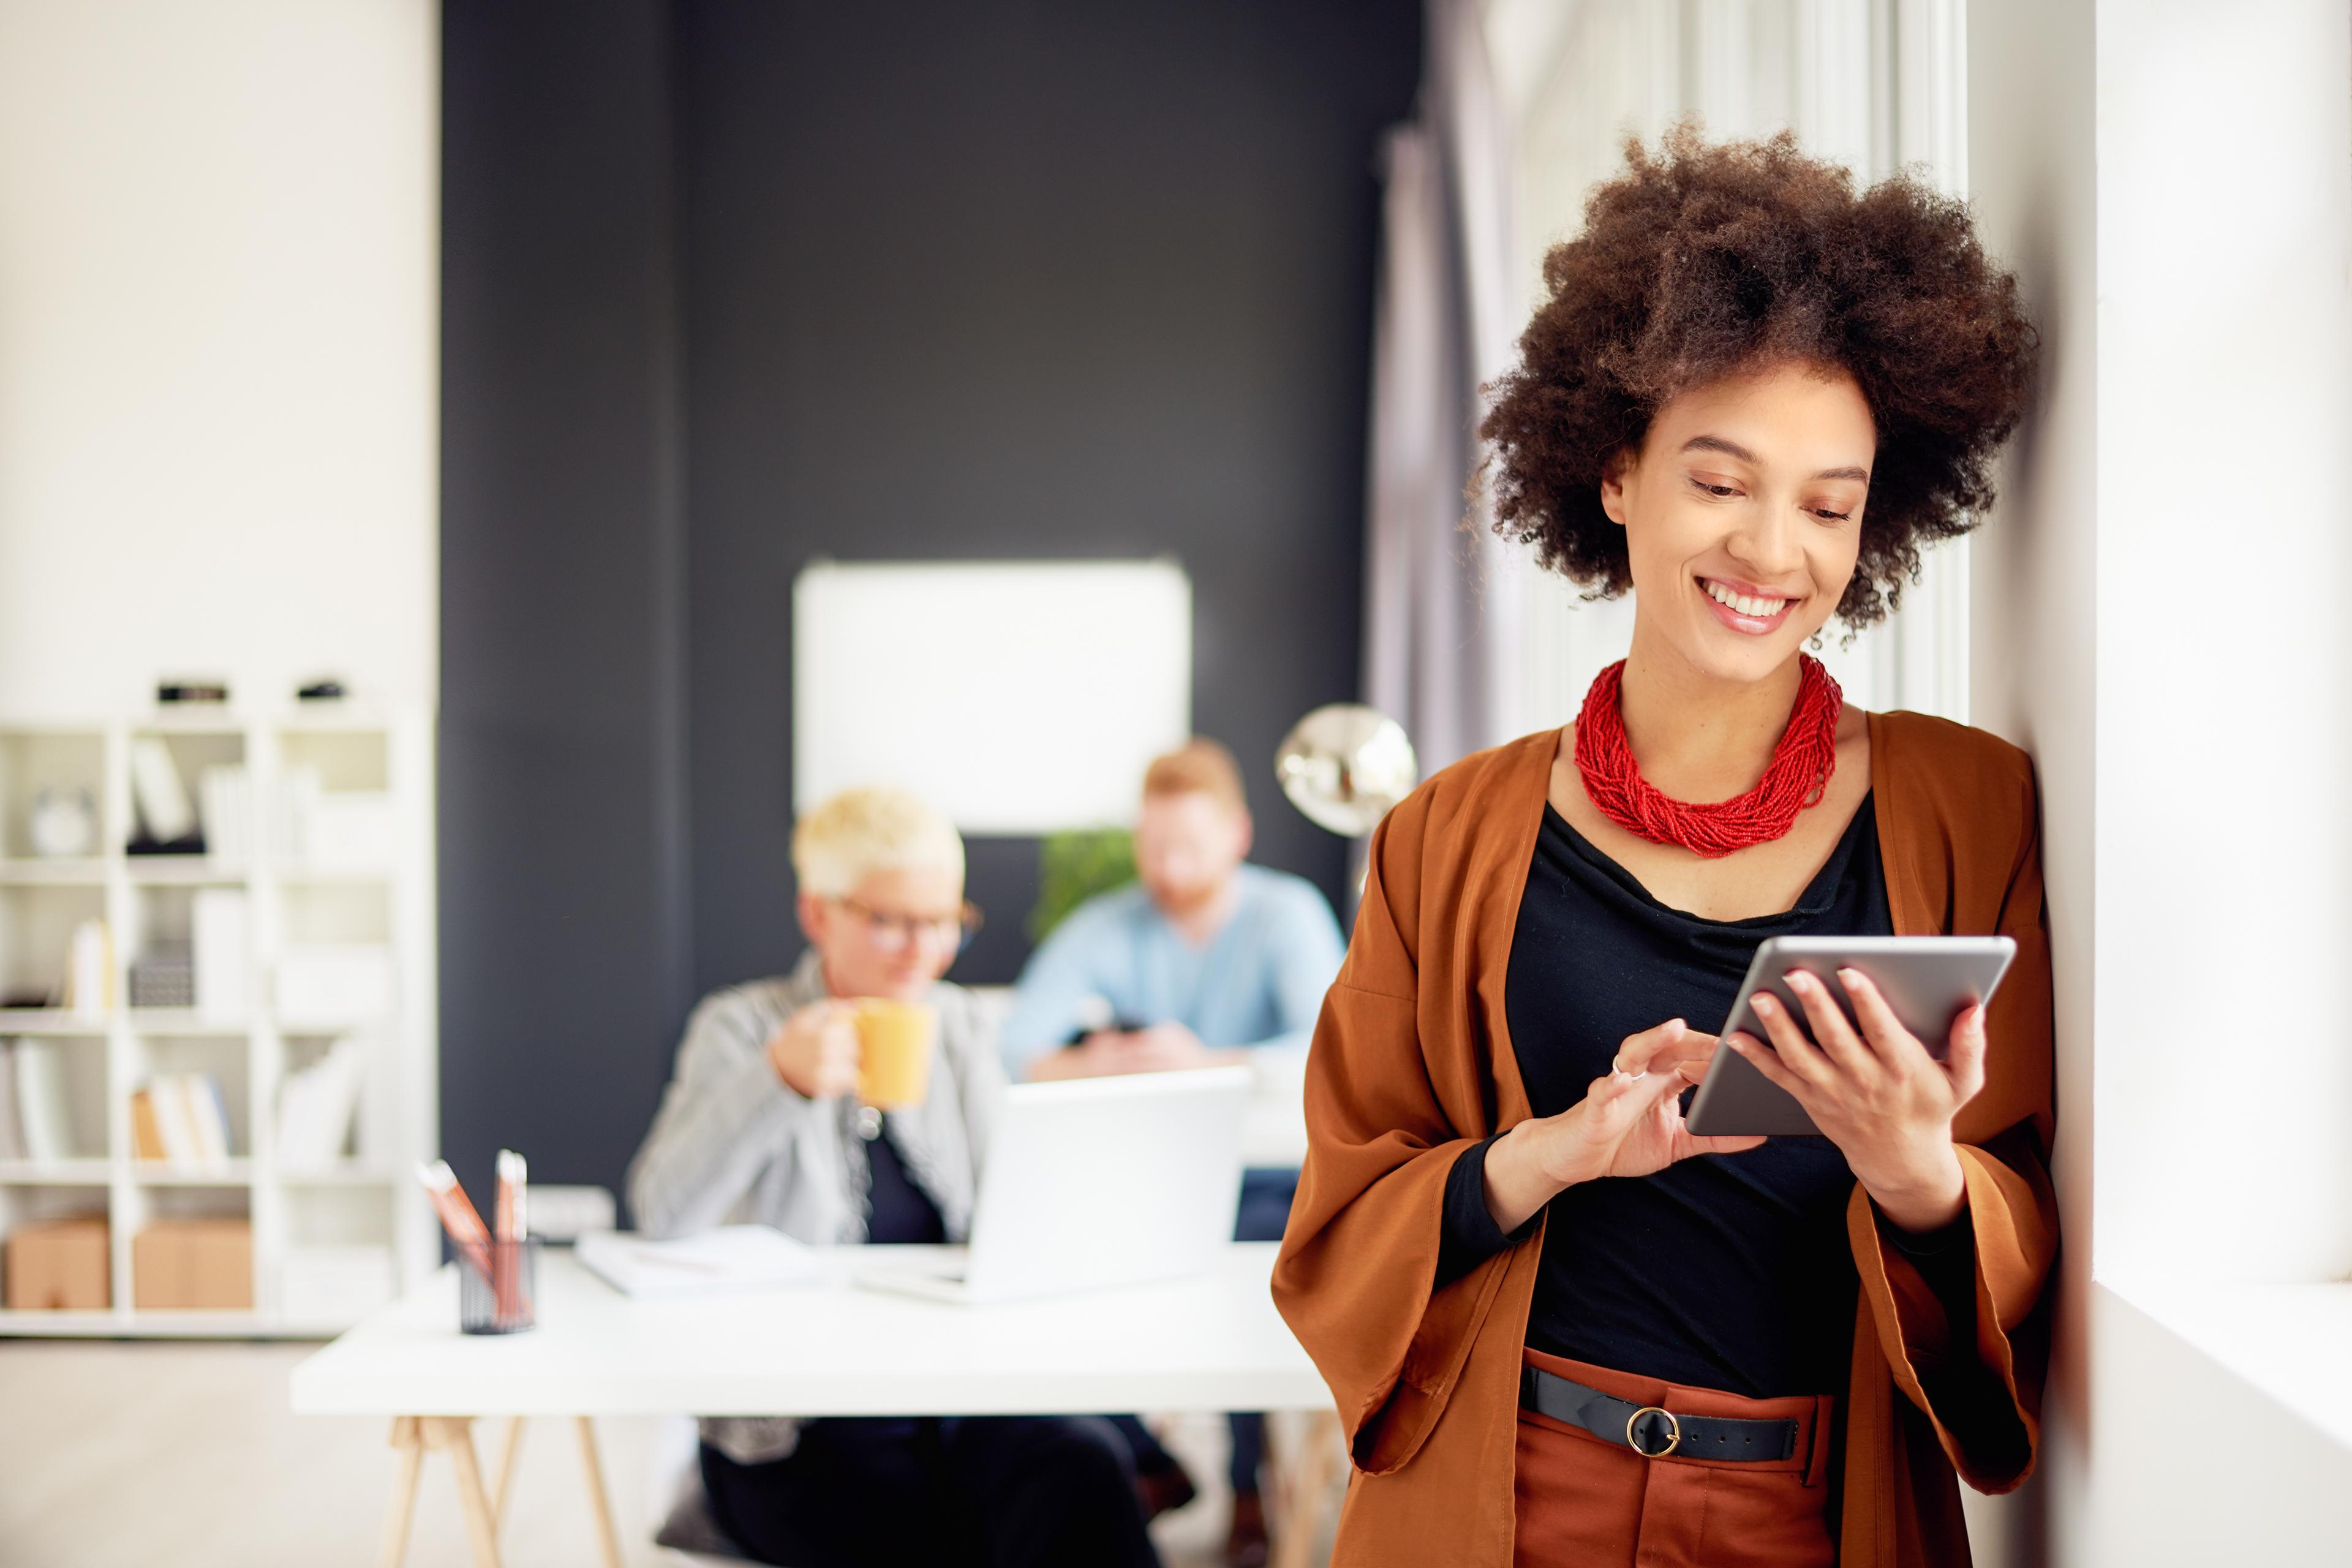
pixel 211 1112
pixel 11 1137
pixel 89 990
pixel 218 954
pixel 43 1120
pixel 166 819
pixel 316 1104
pixel 146 1127
pixel 224 806
pixel 182 1119
pixel 322 829
pixel 175 1125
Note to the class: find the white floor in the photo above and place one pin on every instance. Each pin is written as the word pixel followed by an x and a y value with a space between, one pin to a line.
pixel 185 1455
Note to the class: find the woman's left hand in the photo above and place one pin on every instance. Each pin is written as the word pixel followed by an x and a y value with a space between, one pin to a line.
pixel 1877 1094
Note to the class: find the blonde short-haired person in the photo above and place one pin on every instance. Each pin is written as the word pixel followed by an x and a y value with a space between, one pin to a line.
pixel 760 1122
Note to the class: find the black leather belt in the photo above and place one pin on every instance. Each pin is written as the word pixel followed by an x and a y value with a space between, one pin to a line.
pixel 1650 1431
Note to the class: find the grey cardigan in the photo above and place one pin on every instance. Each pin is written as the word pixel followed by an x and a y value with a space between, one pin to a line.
pixel 732 1145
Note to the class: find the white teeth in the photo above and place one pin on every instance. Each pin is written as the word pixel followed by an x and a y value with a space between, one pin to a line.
pixel 1745 605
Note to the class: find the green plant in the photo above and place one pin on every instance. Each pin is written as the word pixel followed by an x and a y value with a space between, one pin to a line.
pixel 1073 867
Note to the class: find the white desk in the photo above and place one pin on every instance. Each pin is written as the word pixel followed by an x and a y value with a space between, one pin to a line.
pixel 1209 1343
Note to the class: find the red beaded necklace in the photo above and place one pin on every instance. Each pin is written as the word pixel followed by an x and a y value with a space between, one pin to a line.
pixel 1802 761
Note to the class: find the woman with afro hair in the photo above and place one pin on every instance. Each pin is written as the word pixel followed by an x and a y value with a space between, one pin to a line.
pixel 1561 1328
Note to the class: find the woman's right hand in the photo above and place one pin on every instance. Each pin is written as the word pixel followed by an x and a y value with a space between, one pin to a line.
pixel 816 1051
pixel 1629 1123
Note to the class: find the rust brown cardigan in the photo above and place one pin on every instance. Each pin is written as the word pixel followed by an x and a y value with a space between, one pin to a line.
pixel 1412 1063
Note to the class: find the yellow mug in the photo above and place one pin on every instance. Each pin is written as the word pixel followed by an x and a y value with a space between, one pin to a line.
pixel 894 1051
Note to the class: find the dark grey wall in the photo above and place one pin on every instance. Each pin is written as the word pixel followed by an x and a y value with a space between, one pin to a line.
pixel 1032 280
pixel 564 937
pixel 1023 281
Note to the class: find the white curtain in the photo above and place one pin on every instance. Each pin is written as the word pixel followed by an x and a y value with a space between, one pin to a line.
pixel 1876 84
pixel 1442 642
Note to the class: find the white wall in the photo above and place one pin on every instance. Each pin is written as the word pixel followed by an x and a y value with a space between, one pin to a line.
pixel 2153 620
pixel 218 328
pixel 2225 654
pixel 2033 572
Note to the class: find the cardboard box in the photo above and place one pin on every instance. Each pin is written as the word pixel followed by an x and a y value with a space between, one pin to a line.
pixel 193 1263
pixel 60 1265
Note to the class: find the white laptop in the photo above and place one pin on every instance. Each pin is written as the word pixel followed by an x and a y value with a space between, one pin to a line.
pixel 1095 1182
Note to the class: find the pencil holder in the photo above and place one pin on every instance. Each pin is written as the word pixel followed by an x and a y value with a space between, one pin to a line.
pixel 498 1287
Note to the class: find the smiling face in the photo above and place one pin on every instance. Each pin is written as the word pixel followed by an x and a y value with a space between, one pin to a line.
pixel 1742 514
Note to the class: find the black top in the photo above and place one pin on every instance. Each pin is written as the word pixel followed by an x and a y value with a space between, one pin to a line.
pixel 1727 1272
pixel 896 1209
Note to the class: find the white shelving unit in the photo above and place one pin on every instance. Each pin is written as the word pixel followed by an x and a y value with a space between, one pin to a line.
pixel 368 1198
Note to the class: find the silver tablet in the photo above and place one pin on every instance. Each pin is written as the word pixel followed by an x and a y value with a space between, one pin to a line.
pixel 1927 980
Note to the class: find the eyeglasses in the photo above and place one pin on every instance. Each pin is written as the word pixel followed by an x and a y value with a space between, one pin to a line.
pixel 897 934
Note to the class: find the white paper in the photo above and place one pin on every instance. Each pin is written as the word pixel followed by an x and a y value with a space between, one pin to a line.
pixel 730 1259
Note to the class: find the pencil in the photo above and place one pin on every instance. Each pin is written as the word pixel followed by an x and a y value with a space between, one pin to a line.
pixel 457 1213
pixel 514 1179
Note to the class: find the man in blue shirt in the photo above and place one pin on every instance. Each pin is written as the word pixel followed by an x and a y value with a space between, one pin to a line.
pixel 1204 961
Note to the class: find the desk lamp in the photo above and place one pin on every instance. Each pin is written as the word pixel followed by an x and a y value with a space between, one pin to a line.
pixel 1343 766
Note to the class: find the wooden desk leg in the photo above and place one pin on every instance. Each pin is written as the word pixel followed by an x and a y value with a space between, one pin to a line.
pixel 606 1536
pixel 1303 1481
pixel 409 1440
pixel 507 1455
pixel 455 1434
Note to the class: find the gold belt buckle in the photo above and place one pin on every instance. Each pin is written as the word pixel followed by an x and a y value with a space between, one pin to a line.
pixel 1672 1426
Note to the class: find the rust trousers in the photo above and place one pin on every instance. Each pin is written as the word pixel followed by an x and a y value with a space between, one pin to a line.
pixel 1585 1502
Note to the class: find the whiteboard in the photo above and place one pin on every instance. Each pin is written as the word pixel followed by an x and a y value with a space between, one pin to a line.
pixel 1018 697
